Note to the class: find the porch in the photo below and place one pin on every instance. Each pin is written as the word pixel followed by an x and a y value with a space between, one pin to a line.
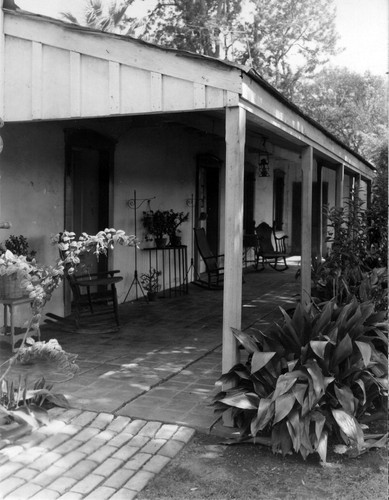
pixel 163 363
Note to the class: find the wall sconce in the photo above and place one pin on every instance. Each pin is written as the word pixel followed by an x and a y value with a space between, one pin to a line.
pixel 263 168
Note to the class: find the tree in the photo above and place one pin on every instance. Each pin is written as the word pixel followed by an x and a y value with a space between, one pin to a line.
pixel 350 105
pixel 289 40
pixel 206 27
pixel 268 35
pixel 105 17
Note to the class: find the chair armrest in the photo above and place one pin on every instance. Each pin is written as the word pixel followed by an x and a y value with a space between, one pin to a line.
pixel 97 275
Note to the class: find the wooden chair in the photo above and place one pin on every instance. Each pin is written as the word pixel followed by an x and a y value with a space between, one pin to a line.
pixel 266 250
pixel 95 301
pixel 214 269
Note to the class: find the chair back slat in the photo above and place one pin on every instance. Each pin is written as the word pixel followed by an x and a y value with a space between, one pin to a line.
pixel 204 249
pixel 264 233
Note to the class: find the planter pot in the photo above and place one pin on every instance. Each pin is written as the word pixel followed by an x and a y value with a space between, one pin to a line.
pixel 10 287
pixel 160 242
pixel 175 241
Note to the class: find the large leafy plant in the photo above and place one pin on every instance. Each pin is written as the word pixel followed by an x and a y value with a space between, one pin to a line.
pixel 309 378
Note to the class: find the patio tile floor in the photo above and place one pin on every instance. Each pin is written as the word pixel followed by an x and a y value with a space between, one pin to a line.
pixel 158 370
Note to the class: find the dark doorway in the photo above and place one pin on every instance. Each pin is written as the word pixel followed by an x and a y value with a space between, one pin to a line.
pixel 278 197
pixel 88 184
pixel 248 203
pixel 208 202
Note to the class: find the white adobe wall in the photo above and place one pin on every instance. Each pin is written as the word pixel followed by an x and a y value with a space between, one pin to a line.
pixel 31 191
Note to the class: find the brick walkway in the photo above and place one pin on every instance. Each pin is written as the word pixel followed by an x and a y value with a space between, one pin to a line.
pixel 138 399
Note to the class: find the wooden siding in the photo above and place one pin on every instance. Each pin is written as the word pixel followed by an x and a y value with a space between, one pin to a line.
pixel 58 71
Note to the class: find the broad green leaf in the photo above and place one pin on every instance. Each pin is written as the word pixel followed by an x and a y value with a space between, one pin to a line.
pixel 299 391
pixel 246 340
pixel 283 405
pixel 324 318
pixel 283 386
pixel 261 420
pixel 342 351
pixel 350 427
pixel 317 377
pixel 238 400
pixel 361 384
pixel 292 364
pixel 59 400
pixel 260 359
pixel 293 425
pixel 367 309
pixel 318 347
pixel 322 446
pixel 289 328
pixel 365 349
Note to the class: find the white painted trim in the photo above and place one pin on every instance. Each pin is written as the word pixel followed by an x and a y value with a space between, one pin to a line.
pixel 306 224
pixel 199 96
pixel 124 51
pixel 36 80
pixel 339 185
pixel 114 87
pixel 305 135
pixel 75 84
pixel 2 62
pixel 156 91
pixel 234 171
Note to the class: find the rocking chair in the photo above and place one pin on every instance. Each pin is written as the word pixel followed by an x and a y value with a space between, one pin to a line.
pixel 214 269
pixel 266 250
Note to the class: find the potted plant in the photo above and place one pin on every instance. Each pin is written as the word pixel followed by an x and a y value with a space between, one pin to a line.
pixel 15 265
pixel 156 225
pixel 149 282
pixel 18 245
pixel 174 220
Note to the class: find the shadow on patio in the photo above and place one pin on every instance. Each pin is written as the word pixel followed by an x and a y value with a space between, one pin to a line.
pixel 163 363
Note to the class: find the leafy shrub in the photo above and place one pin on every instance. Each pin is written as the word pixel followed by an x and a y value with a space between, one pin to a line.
pixel 353 254
pixel 312 377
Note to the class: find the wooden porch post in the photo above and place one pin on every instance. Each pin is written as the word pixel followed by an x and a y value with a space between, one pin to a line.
pixel 306 224
pixel 319 216
pixel 2 61
pixel 339 186
pixel 232 294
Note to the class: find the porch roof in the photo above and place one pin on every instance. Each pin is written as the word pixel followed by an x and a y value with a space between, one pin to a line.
pixel 56 70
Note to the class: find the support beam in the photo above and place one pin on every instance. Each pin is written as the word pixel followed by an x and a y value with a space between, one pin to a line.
pixel 2 62
pixel 339 185
pixel 306 224
pixel 232 298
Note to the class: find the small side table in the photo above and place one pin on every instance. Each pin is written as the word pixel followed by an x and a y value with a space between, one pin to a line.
pixel 9 333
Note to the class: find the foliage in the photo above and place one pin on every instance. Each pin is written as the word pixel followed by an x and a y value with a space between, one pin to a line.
pixel 40 282
pixel 310 378
pixel 18 245
pixel 207 27
pixel 149 281
pixel 352 257
pixel 377 214
pixel 174 220
pixel 350 105
pixel 161 222
pixel 105 16
pixel 281 33
pixel 22 409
